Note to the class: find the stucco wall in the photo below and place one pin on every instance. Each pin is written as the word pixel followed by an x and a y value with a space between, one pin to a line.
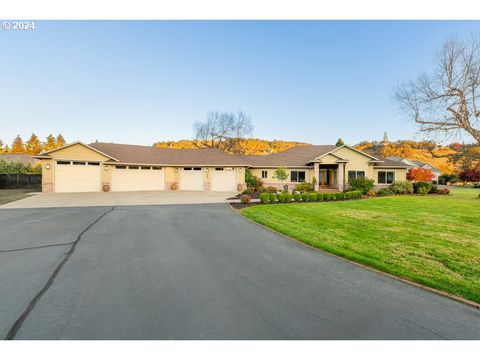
pixel 270 181
pixel 400 175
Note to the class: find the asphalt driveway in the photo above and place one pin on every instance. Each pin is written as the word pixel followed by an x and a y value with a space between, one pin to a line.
pixel 196 272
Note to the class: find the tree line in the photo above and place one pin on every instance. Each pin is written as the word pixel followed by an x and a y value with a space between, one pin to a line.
pixel 33 145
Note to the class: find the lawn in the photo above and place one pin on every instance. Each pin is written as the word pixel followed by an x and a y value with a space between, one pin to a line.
pixel 10 195
pixel 433 240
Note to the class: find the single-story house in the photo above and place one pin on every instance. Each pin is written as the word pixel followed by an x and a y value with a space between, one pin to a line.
pixel 79 167
pixel 417 164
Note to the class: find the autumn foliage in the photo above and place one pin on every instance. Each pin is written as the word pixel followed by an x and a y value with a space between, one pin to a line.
pixel 33 145
pixel 419 174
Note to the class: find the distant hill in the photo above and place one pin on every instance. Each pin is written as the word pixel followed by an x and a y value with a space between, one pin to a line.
pixel 249 146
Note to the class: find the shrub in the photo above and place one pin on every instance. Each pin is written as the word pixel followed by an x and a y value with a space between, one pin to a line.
pixel 327 196
pixel 305 197
pixel 272 189
pixel 297 197
pixel 384 192
pixel 247 191
pixel 348 195
pixel 361 183
pixel 281 197
pixel 320 197
pixel 422 187
pixel 434 189
pixel 264 198
pixel 288 198
pixel 245 199
pixel 476 186
pixel 339 196
pixel 272 197
pixel 372 193
pixel 304 187
pixel 443 192
pixel 253 181
pixel 357 194
pixel 313 196
pixel 401 187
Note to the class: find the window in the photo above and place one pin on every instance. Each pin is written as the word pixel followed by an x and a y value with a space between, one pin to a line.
pixel 353 174
pixel 386 177
pixel 197 169
pixel 120 167
pixel 145 168
pixel 297 176
pixel 218 169
pixel 264 174
pixel 63 162
pixel 132 167
pixel 94 163
pixel 156 168
pixel 78 163
pixel 187 168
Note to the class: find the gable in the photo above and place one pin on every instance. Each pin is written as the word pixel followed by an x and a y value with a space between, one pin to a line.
pixel 351 154
pixel 77 151
pixel 329 159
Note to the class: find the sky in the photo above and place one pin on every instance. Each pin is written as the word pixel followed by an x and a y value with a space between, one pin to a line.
pixel 138 82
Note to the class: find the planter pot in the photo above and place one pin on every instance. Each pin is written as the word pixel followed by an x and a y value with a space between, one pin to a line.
pixel 106 187
pixel 173 186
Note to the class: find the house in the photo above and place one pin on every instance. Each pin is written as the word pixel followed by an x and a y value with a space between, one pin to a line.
pixel 416 164
pixel 331 166
pixel 79 167
pixel 18 158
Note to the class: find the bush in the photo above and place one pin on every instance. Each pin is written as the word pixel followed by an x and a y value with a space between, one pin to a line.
pixel 288 198
pixel 339 196
pixel 264 198
pixel 434 189
pixel 422 187
pixel 327 196
pixel 443 192
pixel 372 193
pixel 476 186
pixel 272 197
pixel 313 196
pixel 253 181
pixel 245 199
pixel 384 192
pixel 304 187
pixel 281 197
pixel 401 187
pixel 247 191
pixel 297 197
pixel 357 194
pixel 272 189
pixel 305 197
pixel 361 183
pixel 348 195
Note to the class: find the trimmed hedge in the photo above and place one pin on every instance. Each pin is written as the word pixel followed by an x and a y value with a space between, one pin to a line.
pixel 297 197
pixel 272 197
pixel 313 196
pixel 264 198
pixel 306 197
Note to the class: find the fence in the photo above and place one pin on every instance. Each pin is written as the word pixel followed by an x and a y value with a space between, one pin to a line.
pixel 20 181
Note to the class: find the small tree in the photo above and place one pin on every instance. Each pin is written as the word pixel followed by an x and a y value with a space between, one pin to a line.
pixel 280 174
pixel 18 147
pixel 33 145
pixel 60 140
pixel 419 174
pixel 470 175
pixel 50 144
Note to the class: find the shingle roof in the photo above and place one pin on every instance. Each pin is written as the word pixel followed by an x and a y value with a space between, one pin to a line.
pixel 296 156
pixel 21 158
pixel 387 162
pixel 137 154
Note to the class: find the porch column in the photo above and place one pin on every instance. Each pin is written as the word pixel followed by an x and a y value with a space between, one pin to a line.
pixel 316 170
pixel 340 177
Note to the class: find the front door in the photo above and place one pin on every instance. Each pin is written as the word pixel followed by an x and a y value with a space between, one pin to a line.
pixel 324 180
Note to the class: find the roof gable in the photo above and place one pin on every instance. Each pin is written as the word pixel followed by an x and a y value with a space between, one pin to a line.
pixel 69 150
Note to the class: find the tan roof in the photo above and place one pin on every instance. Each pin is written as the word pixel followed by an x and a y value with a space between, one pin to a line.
pixel 296 156
pixel 137 154
pixel 390 163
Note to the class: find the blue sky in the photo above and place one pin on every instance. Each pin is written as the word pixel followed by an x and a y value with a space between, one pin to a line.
pixel 142 81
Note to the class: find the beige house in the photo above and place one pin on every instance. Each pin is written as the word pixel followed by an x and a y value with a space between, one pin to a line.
pixel 98 166
pixel 330 165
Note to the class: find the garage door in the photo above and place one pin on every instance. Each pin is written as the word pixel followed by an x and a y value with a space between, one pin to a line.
pixel 224 179
pixel 77 176
pixel 138 178
pixel 191 179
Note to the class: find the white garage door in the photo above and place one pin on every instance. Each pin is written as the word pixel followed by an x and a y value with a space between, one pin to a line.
pixel 77 176
pixel 191 179
pixel 224 179
pixel 138 178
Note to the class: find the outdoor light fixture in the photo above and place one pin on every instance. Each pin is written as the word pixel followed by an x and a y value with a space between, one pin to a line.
pixel 176 170
pixel 106 168
pixel 240 170
pixel 206 170
pixel 47 166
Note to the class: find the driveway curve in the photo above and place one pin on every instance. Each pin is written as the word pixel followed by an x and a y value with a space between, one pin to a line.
pixel 202 272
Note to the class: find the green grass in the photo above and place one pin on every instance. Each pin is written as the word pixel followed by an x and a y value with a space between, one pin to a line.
pixel 10 195
pixel 432 240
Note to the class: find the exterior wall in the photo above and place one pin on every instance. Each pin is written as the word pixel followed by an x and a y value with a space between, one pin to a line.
pixel 171 177
pixel 270 181
pixel 356 161
pixel 400 175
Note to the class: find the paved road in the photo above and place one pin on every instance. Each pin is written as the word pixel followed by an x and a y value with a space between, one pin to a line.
pixel 196 272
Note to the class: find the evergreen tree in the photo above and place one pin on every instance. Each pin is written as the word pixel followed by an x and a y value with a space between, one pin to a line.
pixel 18 147
pixel 1 147
pixel 50 144
pixel 385 138
pixel 339 142
pixel 33 145
pixel 60 140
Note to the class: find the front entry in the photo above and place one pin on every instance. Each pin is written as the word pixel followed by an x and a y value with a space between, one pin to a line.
pixel 325 178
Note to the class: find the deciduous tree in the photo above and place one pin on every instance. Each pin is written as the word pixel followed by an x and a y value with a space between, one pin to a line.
pixel 33 145
pixel 18 147
pixel 419 174
pixel 50 143
pixel 60 141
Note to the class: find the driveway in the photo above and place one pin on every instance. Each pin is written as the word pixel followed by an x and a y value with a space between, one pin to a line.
pixel 46 200
pixel 196 272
